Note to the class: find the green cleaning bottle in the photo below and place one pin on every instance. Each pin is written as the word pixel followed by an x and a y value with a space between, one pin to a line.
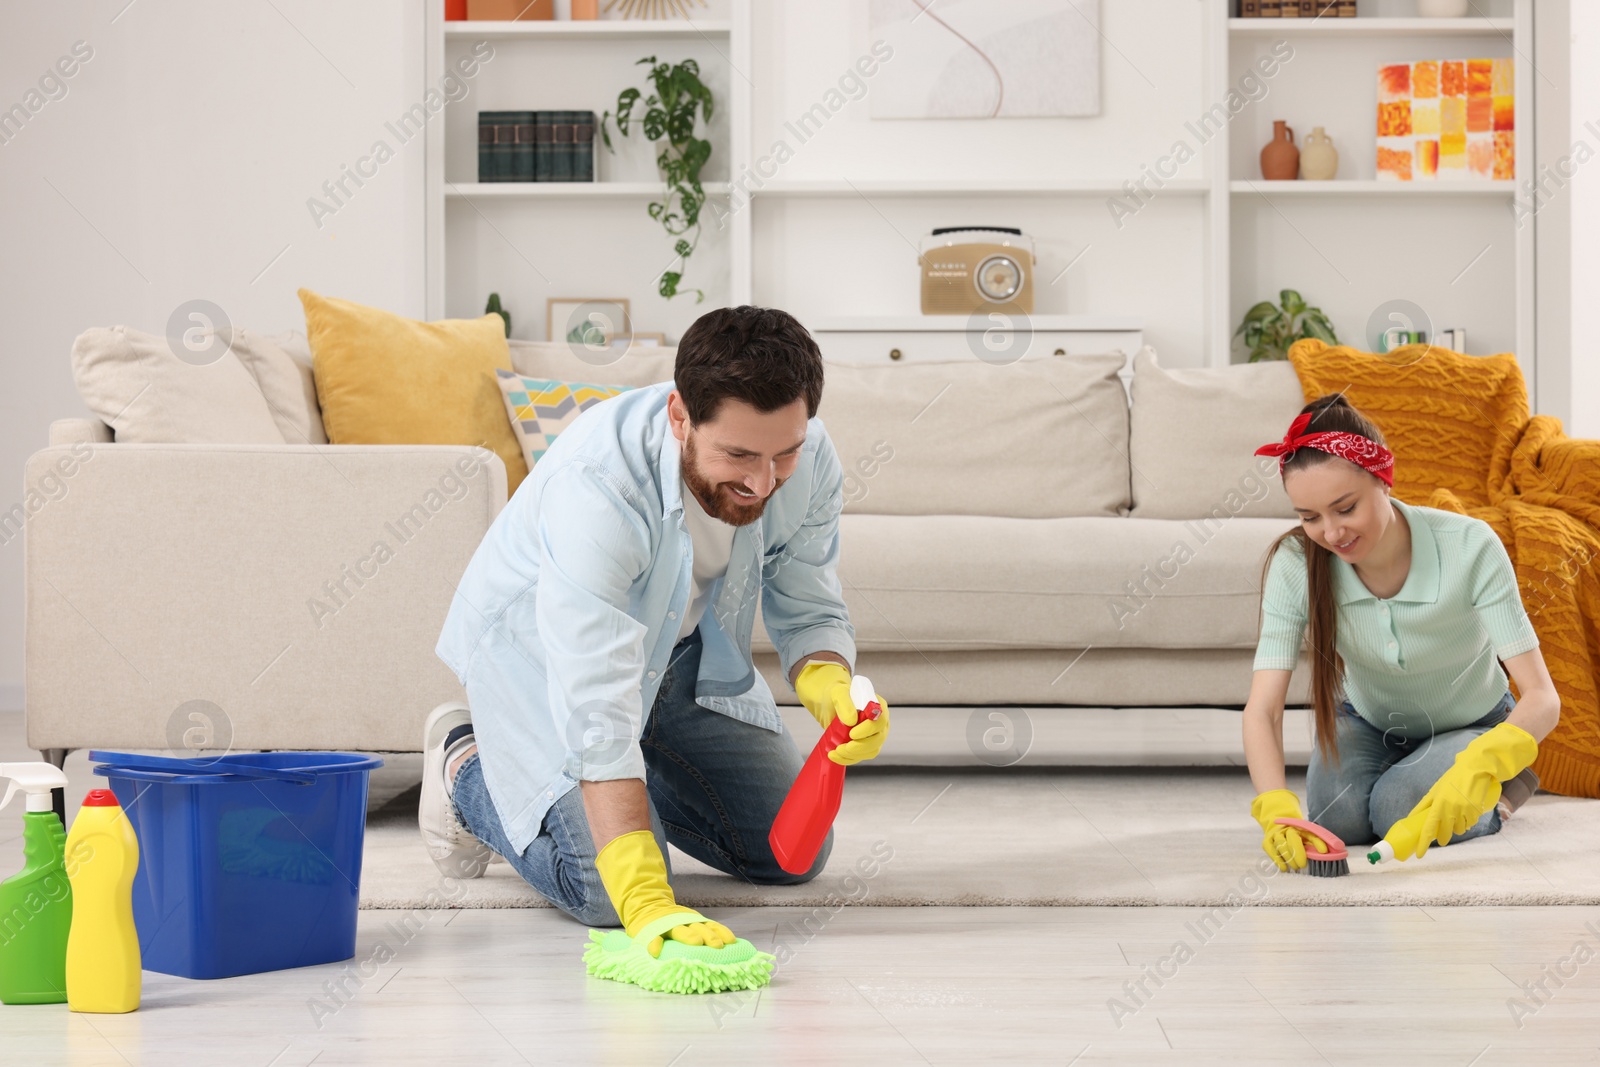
pixel 36 902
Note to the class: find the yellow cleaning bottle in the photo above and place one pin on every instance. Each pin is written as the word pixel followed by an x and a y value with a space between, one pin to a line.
pixel 103 972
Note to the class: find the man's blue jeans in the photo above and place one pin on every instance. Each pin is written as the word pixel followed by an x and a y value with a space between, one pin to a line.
pixel 715 784
pixel 1380 776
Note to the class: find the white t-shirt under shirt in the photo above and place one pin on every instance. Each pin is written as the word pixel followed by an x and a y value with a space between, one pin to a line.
pixel 712 541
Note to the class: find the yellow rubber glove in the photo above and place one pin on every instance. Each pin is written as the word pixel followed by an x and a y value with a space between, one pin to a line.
pixel 635 876
pixel 1464 792
pixel 1284 845
pixel 824 689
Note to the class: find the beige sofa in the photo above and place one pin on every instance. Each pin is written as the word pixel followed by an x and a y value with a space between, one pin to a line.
pixel 1011 536
pixel 1034 538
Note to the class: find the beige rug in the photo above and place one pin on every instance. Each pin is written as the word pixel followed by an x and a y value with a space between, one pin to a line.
pixel 1059 837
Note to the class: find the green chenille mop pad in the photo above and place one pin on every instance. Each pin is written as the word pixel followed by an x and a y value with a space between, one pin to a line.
pixel 680 968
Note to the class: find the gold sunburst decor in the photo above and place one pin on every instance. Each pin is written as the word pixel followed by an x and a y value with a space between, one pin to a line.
pixel 653 9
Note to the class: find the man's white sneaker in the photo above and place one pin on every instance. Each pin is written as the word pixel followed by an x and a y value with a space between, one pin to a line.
pixel 454 850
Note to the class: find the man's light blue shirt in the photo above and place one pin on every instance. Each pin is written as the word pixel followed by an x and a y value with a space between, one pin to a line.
pixel 563 624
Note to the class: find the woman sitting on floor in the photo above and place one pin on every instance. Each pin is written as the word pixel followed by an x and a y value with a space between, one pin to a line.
pixel 1410 610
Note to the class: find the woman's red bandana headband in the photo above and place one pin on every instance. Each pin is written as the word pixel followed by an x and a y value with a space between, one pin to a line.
pixel 1364 452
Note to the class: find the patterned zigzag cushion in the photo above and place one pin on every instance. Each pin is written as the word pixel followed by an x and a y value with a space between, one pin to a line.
pixel 540 409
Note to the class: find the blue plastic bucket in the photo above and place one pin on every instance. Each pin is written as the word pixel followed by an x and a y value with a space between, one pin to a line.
pixel 239 875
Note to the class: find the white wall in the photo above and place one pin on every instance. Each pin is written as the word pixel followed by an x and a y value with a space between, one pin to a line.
pixel 1551 216
pixel 177 166
pixel 1583 368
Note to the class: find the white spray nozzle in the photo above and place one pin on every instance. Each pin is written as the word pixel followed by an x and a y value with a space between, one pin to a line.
pixel 1382 852
pixel 861 692
pixel 35 779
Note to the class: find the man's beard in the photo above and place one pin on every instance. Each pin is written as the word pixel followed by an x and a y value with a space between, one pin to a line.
pixel 719 501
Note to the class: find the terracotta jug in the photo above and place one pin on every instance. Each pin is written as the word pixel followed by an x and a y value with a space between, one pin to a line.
pixel 1280 160
pixel 1319 160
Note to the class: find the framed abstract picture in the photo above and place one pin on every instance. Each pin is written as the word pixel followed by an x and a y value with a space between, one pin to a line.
pixel 981 59
pixel 594 321
pixel 1446 120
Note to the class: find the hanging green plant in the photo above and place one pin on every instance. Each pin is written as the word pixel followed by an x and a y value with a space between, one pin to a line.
pixel 670 113
pixel 1268 330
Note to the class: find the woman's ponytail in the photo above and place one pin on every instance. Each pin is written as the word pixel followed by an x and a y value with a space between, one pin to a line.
pixel 1328 413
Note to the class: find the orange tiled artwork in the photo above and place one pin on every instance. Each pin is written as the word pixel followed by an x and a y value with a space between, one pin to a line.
pixel 1396 164
pixel 1446 120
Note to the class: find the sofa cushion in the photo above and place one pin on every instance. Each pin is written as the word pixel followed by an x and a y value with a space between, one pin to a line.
pixel 147 395
pixel 969 582
pixel 1194 435
pixel 540 409
pixel 1449 419
pixel 383 379
pixel 559 361
pixel 1042 438
pixel 281 366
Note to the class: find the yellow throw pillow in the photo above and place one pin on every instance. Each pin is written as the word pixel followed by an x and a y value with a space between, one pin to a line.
pixel 1450 420
pixel 383 379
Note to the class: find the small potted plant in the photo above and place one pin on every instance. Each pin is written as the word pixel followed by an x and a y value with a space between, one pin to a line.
pixel 494 308
pixel 1269 329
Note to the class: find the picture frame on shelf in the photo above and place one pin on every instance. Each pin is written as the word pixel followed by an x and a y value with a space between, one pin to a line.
pixel 595 320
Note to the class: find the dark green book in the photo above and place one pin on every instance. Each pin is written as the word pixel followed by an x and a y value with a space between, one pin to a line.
pixel 583 146
pixel 525 147
pixel 543 146
pixel 485 150
pixel 503 163
pixel 561 156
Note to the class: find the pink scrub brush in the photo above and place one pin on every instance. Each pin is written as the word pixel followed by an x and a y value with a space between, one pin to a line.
pixel 1330 864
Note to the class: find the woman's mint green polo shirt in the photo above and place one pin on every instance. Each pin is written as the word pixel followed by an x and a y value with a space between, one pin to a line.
pixel 1425 660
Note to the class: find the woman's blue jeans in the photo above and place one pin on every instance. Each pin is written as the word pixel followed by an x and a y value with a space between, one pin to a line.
pixel 1380 776
pixel 714 783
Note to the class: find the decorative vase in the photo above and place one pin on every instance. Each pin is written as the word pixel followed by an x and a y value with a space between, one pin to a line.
pixel 1319 160
pixel 1280 159
pixel 1443 9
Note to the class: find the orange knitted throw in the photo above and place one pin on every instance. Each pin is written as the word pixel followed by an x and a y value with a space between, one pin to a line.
pixel 1464 442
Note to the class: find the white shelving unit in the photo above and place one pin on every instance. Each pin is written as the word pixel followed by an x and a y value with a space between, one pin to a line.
pixel 1242 216
pixel 614 30
pixel 561 190
pixel 1371 187
pixel 997 188
pixel 1370 27
pixel 1239 199
pixel 722 47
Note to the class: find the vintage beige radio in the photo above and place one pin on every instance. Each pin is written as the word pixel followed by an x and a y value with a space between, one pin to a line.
pixel 970 269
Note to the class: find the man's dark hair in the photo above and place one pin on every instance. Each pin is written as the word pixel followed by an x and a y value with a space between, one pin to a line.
pixel 761 356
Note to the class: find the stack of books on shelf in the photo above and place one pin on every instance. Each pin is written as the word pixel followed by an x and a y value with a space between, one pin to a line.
pixel 536 146
pixel 1297 9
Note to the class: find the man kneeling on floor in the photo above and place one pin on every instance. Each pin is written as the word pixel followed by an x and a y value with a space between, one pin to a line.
pixel 602 633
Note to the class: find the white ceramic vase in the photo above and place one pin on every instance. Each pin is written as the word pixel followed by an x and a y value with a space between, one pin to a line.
pixel 1443 9
pixel 1319 160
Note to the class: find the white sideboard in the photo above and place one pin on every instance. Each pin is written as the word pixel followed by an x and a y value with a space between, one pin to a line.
pixel 996 338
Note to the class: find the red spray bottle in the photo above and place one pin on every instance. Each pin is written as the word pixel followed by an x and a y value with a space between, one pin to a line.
pixel 813 801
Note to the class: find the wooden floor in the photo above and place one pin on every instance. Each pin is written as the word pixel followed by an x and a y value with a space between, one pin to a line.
pixel 891 986
pixel 1083 986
